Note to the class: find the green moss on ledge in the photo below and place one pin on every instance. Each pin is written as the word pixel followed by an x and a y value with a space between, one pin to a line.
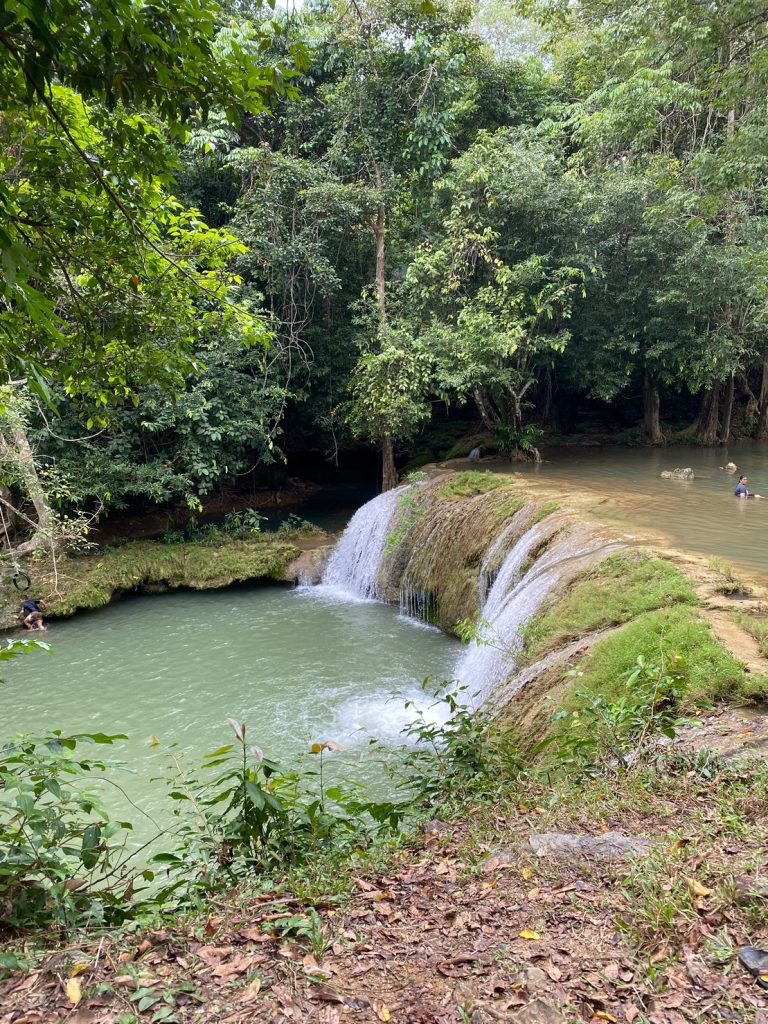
pixel 472 482
pixel 620 588
pixel 93 580
pixel 677 634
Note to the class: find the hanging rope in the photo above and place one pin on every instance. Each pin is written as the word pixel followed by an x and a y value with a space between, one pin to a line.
pixel 20 579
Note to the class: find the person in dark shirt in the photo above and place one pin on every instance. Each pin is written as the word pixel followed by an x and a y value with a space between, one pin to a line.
pixel 742 491
pixel 31 613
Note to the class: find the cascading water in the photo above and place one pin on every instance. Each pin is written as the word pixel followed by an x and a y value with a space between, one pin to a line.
pixel 512 566
pixel 539 559
pixel 353 567
pixel 514 600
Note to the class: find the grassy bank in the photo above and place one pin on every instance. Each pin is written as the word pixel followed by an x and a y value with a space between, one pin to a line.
pixel 461 913
pixel 91 581
pixel 456 917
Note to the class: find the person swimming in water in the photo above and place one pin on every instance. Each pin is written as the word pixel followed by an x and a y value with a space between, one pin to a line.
pixel 742 490
pixel 31 614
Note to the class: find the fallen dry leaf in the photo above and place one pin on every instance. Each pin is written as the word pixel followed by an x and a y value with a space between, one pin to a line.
pixel 604 1015
pixel 382 1011
pixel 530 935
pixel 697 888
pixel 234 967
pixel 527 874
pixel 74 992
pixel 249 993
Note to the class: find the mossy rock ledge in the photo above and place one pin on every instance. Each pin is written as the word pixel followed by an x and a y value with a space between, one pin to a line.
pixel 94 580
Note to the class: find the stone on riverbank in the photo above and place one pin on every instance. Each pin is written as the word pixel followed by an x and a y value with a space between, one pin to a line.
pixel 609 846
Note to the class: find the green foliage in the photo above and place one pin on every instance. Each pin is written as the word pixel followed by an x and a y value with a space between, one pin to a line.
pixel 624 730
pixel 62 859
pixel 97 255
pixel 459 754
pixel 295 524
pixel 12 647
pixel 247 815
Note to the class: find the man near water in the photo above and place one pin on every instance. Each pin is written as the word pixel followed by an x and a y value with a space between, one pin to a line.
pixel 31 613
pixel 741 489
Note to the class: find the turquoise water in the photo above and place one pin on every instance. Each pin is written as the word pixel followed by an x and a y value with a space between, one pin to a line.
pixel 298 666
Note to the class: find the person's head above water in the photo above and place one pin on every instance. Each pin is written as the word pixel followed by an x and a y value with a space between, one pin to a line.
pixel 743 478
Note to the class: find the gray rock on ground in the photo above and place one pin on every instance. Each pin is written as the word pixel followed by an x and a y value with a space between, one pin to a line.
pixel 677 474
pixel 608 846
pixel 538 1012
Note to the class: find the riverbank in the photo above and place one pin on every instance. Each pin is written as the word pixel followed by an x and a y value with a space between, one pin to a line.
pixel 474 917
pixel 90 581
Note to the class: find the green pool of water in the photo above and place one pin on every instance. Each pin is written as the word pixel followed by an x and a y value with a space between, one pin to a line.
pixel 298 666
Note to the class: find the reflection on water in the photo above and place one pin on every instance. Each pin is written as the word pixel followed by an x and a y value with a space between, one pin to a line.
pixel 295 667
pixel 700 514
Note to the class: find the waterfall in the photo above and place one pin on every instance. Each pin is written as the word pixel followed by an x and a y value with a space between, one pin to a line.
pixel 517 595
pixel 523 566
pixel 353 567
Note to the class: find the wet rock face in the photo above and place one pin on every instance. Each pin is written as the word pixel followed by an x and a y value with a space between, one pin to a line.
pixel 606 847
pixel 308 568
pixel 677 474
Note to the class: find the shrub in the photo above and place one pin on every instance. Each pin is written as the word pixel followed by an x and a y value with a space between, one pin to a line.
pixel 61 859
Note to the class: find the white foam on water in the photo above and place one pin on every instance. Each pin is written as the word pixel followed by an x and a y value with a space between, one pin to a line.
pixel 386 719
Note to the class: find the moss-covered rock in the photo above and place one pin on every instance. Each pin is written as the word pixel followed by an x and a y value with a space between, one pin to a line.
pixel 93 580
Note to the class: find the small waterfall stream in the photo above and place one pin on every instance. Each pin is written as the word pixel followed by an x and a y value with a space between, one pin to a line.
pixel 517 595
pixel 353 568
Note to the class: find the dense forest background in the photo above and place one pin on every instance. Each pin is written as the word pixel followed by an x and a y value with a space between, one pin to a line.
pixel 239 243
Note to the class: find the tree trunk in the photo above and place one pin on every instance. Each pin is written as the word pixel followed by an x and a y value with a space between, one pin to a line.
pixel 388 471
pixel 709 416
pixel 389 478
pixel 761 427
pixel 651 410
pixel 485 409
pixel 548 411
pixel 9 514
pixel 379 233
pixel 17 452
pixel 725 426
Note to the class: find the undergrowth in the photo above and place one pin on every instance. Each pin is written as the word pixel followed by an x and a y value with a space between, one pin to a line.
pixel 710 673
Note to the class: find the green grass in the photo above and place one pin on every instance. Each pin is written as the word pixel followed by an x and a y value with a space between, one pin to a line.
pixel 617 590
pixel 731 581
pixel 710 673
pixel 546 510
pixel 472 482
pixel 756 626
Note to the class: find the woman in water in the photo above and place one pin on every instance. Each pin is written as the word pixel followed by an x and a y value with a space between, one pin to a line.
pixel 741 489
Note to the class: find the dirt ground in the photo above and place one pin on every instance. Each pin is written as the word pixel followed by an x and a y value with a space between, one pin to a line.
pixel 469 927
